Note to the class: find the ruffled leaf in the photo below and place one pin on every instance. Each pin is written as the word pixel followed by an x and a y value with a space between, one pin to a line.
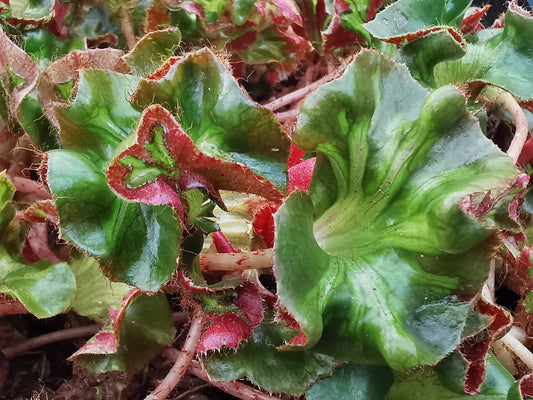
pixel 500 57
pixel 134 243
pixel 222 122
pixel 153 50
pixel 264 365
pixel 411 19
pixel 373 265
pixel 163 159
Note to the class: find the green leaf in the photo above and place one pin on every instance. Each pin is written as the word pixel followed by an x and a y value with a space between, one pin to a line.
pixel 264 365
pixel 45 289
pixel 42 44
pixel 145 330
pixel 373 265
pixel 94 293
pixel 100 116
pixel 405 17
pixel 222 121
pixel 353 381
pixel 135 243
pixel 153 50
pixel 423 383
pixel 31 10
pixel 500 57
pixel 32 119
pixel 421 55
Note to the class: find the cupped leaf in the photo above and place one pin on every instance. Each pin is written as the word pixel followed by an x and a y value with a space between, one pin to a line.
pixel 221 120
pixel 375 264
pixel 264 365
pixel 153 50
pixel 500 57
pixel 143 332
pixel 135 243
pixel 353 381
pixel 406 19
pixel 163 160
pixel 423 54
pixel 423 383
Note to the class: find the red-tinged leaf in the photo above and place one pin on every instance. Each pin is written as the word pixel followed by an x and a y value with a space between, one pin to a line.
pixel 474 350
pixel 156 16
pixel 250 303
pixel 373 6
pixel 117 316
pixel 66 69
pixel 226 330
pixel 104 342
pixel 222 244
pixel 36 246
pixel 15 61
pixel 338 36
pixel 40 211
pixel 279 11
pixel 527 152
pixel 263 224
pixel 300 175
pixel 229 329
pixel 526 386
pixel 518 278
pixel 472 21
pixel 295 156
pixel 57 24
pixel 142 173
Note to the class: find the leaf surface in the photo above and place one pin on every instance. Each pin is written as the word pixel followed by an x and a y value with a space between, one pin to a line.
pixel 145 329
pixel 373 264
pixel 221 121
pixel 500 57
pixel 263 364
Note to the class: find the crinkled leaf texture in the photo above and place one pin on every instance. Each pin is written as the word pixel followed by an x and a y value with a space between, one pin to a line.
pixel 376 263
pixel 134 243
pixel 44 288
pixel 263 364
pixel 220 119
pixel 503 57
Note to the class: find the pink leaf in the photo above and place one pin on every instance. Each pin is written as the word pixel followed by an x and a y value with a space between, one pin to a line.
pixel 226 330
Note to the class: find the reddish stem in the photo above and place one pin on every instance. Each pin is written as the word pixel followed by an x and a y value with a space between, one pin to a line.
pixel 182 361
pixel 56 336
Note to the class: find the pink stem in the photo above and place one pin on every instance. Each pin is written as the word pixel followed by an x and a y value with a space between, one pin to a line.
pixel 297 94
pixel 237 261
pixel 182 361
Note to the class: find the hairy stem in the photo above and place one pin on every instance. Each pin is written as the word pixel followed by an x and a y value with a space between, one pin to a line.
pixel 126 26
pixel 508 101
pixel 297 94
pixel 237 261
pixel 182 361
pixel 56 336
